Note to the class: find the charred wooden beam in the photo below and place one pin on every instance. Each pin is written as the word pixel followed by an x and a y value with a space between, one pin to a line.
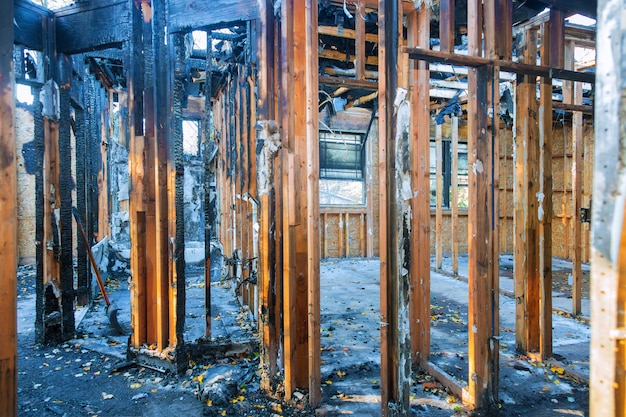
pixel 187 15
pixel 83 270
pixel 28 21
pixel 505 65
pixel 66 184
pixel 209 178
pixel 176 203
pixel 108 23
pixel 394 222
pixel 8 220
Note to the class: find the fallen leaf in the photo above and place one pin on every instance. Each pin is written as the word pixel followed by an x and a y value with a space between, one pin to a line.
pixel 106 396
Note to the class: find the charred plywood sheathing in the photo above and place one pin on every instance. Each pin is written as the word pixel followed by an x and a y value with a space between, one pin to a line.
pixel 268 143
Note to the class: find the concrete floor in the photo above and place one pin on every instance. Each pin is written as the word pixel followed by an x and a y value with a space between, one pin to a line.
pixel 350 300
pixel 350 340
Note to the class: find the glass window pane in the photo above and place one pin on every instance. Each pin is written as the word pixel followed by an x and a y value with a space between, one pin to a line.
pixel 341 192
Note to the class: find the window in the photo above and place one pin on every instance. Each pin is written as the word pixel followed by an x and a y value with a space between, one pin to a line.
pixel 342 169
pixel 463 179
pixel 191 137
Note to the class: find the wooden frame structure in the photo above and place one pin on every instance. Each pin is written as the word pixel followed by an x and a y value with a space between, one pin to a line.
pixel 262 119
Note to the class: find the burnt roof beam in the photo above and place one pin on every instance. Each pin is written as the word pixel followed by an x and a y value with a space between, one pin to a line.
pixel 92 26
pixel 188 15
pixel 28 24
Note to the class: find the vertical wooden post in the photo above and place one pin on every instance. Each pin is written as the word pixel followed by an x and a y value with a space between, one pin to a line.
pixel 313 200
pixel 103 173
pixel 66 183
pixel 137 196
pixel 162 93
pixel 575 96
pixel 483 212
pixel 83 270
pixel 545 139
pixel 288 199
pixel 300 244
pixel 176 201
pixel 527 282
pixel 608 276
pixel 446 26
pixel 439 198
pixel 8 220
pixel 40 210
pixel 359 47
pixel 454 201
pixel 419 35
pixel 395 175
pixel 209 177
pixel 347 233
pixel 341 234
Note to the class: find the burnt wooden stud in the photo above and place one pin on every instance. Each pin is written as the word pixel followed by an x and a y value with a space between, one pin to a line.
pixel 83 271
pixel 162 91
pixel 137 165
pixel 264 100
pixel 66 183
pixel 395 241
pixel 288 199
pixel 40 248
pixel 176 201
pixel 209 145
pixel 8 221
pixel 419 76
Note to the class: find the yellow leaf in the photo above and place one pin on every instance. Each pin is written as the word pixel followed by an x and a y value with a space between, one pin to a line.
pixel 328 382
pixel 135 385
pixel 209 402
pixel 341 374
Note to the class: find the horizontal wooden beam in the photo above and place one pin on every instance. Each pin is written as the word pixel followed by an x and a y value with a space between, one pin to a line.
pixel 92 26
pixel 28 24
pixel 345 33
pixel 510 66
pixel 187 15
pixel 573 107
pixel 341 56
pixel 348 82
